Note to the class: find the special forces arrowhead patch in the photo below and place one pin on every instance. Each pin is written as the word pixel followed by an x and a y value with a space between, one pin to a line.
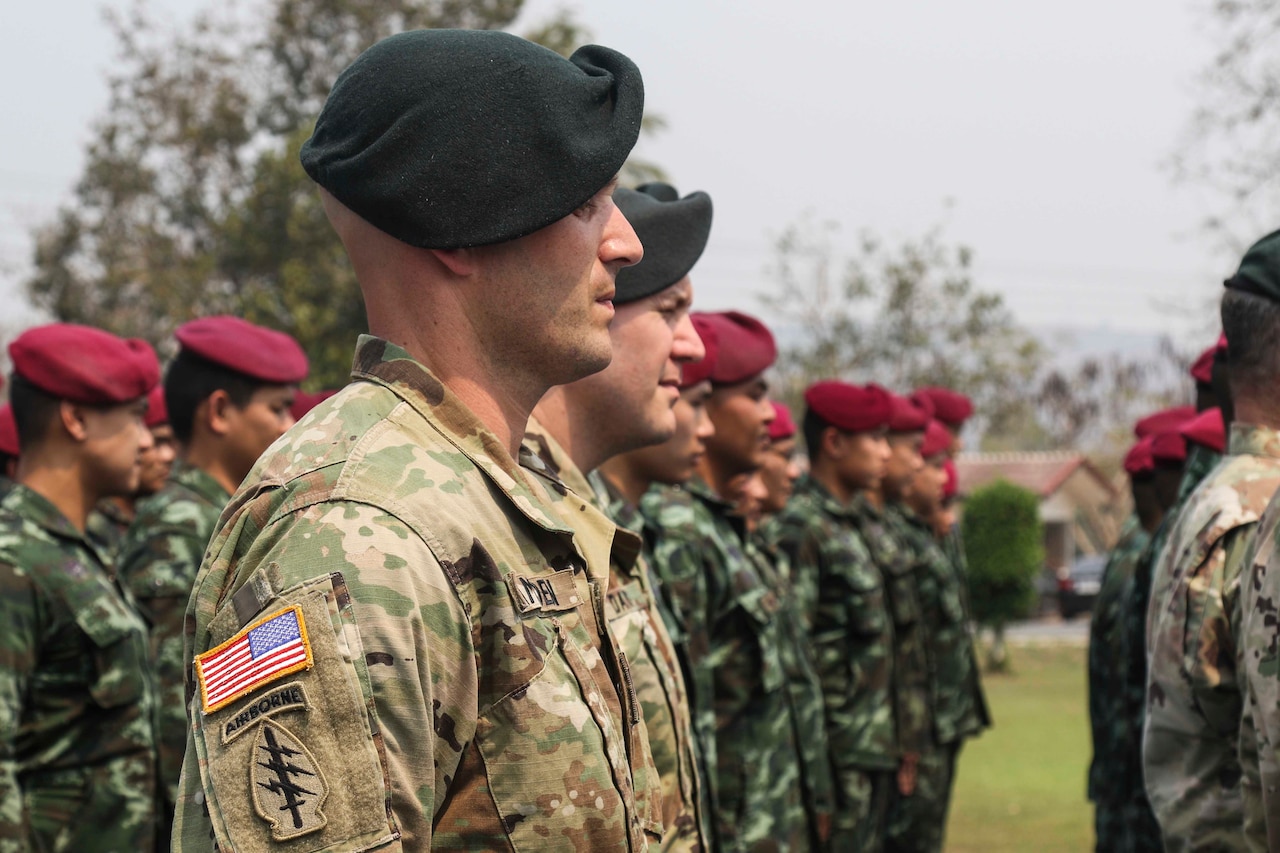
pixel 288 789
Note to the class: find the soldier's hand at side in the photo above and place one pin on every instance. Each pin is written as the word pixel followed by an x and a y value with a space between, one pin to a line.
pixel 823 820
pixel 907 774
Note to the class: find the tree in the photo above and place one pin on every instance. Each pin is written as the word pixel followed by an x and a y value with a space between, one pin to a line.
pixel 192 200
pixel 1004 546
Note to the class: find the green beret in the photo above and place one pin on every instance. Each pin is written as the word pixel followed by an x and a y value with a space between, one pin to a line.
pixel 446 139
pixel 1259 271
pixel 673 231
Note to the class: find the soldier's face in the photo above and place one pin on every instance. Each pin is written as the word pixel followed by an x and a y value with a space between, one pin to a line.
pixel 741 414
pixel 866 455
pixel 779 473
pixel 547 298
pixel 903 462
pixel 115 440
pixel 253 427
pixel 157 461
pixel 748 493
pixel 632 400
pixel 676 459
pixel 925 492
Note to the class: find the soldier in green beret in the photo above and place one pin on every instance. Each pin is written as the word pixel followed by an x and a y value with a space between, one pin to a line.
pixel 395 639
pixel 77 703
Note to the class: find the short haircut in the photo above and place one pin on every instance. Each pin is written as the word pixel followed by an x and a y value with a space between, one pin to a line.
pixel 190 381
pixel 812 428
pixel 34 409
pixel 1252 326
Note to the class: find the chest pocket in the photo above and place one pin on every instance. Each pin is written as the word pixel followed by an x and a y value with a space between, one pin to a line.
pixel 761 607
pixel 116 641
pixel 543 752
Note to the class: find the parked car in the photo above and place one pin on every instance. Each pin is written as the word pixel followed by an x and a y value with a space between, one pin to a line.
pixel 1078 585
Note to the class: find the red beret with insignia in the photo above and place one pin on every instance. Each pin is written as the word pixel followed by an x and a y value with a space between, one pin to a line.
pixel 783 425
pixel 952 485
pixel 1139 459
pixel 937 439
pixel 746 350
pixel 8 431
pixel 851 408
pixel 693 372
pixel 906 416
pixel 263 354
pixel 1169 446
pixel 157 411
pixel 1202 368
pixel 1165 419
pixel 1208 430
pixel 304 402
pixel 85 365
pixel 950 407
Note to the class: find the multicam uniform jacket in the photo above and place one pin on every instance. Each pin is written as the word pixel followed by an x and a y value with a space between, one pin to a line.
pixel 449 678
pixel 743 719
pixel 1194 699
pixel 841 598
pixel 653 666
pixel 77 740
pixel 1108 785
pixel 158 561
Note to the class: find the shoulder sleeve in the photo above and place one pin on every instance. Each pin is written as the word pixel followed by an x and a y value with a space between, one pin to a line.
pixel 18 641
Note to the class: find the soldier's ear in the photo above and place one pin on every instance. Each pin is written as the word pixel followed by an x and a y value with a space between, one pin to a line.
pixel 461 262
pixel 215 412
pixel 72 417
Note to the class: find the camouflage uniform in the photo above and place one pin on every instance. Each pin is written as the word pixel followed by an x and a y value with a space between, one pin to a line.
pixel 722 595
pixel 959 708
pixel 105 528
pixel 1194 700
pixel 841 598
pixel 1142 833
pixel 1109 789
pixel 460 687
pixel 158 561
pixel 77 743
pixel 654 669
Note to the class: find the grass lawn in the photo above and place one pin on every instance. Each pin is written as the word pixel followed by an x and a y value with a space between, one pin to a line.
pixel 1021 786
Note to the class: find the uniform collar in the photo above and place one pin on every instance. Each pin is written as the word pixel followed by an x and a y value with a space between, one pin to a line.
pixel 808 485
pixel 540 442
pixel 37 509
pixel 390 366
pixel 1250 440
pixel 199 481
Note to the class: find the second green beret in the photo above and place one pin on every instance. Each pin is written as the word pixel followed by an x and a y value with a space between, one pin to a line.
pixel 446 139
pixel 673 231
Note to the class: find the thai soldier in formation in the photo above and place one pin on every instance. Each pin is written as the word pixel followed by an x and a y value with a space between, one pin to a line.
pixel 780 469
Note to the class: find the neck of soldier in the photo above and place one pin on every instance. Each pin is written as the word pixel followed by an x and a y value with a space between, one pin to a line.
pixel 1256 410
pixel 875 497
pixel 626 478
pixel 205 453
pixel 59 476
pixel 822 469
pixel 719 473
pixel 583 440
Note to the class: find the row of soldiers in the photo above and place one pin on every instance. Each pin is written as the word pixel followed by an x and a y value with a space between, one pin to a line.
pixel 544 575
pixel 1183 659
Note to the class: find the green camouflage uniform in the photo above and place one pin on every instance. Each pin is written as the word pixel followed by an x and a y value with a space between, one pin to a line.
pixel 958 706
pixel 654 668
pixel 722 595
pixel 158 561
pixel 105 528
pixel 840 595
pixel 460 689
pixel 1109 789
pixel 1191 739
pixel 77 739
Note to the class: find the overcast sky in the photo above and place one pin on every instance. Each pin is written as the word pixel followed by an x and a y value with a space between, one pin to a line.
pixel 1045 126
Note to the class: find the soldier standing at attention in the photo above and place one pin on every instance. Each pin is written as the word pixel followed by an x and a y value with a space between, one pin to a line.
pixel 1191 740
pixel 957 705
pixel 398 643
pixel 768 796
pixel 577 427
pixel 840 595
pixel 227 394
pixel 780 469
pixel 77 742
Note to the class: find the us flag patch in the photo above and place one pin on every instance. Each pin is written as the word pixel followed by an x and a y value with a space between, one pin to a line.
pixel 270 648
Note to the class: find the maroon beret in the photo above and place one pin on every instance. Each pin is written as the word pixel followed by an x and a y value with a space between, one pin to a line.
pixel 304 402
pixel 1207 429
pixel 8 431
pixel 1202 368
pixel 849 407
pixel 906 416
pixel 1139 459
pixel 157 411
pixel 259 353
pixel 693 372
pixel 783 425
pixel 85 365
pixel 937 439
pixel 1165 419
pixel 1169 446
pixel 746 347
pixel 950 407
